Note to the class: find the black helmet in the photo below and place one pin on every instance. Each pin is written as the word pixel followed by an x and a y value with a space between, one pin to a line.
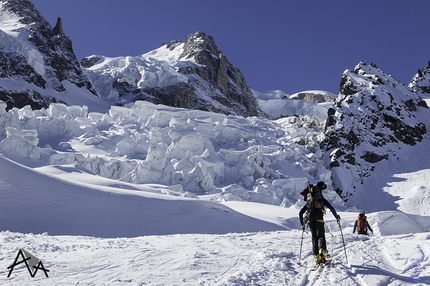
pixel 322 185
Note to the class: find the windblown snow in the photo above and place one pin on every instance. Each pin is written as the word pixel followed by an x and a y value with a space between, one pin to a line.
pixel 154 195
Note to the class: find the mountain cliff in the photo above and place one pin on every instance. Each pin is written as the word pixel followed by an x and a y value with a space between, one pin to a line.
pixel 373 115
pixel 420 83
pixel 193 74
pixel 36 60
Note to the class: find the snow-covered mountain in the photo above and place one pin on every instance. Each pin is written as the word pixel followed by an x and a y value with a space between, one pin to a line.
pixel 38 66
pixel 193 74
pixel 373 117
pixel 37 63
pixel 420 83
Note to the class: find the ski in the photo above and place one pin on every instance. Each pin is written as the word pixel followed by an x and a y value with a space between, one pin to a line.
pixel 316 266
pixel 321 268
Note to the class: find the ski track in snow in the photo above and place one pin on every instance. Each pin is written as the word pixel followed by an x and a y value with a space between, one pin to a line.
pixel 263 258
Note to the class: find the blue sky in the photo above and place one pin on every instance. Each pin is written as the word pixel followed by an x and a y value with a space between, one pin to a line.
pixel 277 44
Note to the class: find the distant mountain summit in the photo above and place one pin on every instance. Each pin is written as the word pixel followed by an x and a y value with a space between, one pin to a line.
pixel 193 74
pixel 38 67
pixel 420 83
pixel 373 115
pixel 36 60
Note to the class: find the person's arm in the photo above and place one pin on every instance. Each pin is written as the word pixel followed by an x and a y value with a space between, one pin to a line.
pixel 333 211
pixel 368 225
pixel 302 211
pixel 355 227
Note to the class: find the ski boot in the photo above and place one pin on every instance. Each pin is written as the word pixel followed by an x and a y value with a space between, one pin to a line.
pixel 322 255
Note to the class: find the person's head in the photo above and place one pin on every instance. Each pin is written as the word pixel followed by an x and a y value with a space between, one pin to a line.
pixel 322 185
pixel 362 214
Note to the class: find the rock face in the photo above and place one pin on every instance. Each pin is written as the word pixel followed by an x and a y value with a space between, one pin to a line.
pixel 194 75
pixel 313 96
pixel 214 68
pixel 37 56
pixel 372 116
pixel 58 29
pixel 420 83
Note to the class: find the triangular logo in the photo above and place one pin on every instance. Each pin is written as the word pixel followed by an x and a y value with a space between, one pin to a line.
pixel 31 262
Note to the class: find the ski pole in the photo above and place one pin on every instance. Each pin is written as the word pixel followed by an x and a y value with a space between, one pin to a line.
pixel 343 240
pixel 301 244
pixel 327 229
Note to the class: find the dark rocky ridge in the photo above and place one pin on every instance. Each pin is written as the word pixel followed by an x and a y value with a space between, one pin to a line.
pixel 372 110
pixel 216 69
pixel 313 97
pixel 59 59
pixel 420 83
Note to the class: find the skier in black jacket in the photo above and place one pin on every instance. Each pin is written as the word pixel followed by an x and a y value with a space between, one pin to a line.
pixel 315 218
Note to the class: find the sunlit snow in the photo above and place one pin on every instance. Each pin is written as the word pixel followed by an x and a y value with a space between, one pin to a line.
pixel 154 195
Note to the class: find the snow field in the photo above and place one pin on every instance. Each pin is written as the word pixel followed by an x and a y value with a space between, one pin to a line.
pixel 260 258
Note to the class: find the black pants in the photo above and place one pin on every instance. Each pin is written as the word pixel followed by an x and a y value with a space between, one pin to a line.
pixel 316 224
pixel 318 236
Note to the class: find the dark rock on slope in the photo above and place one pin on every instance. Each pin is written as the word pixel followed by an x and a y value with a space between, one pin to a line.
pixel 372 115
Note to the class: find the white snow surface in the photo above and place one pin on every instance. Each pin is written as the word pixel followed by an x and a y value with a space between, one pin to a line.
pixel 277 104
pixel 155 68
pixel 154 195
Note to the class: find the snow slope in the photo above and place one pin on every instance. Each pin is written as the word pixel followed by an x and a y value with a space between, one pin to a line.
pixel 105 208
pixel 155 68
pixel 276 104
pixel 71 195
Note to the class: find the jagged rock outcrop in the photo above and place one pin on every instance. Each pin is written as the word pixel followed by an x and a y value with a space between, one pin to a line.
pixel 372 116
pixel 420 83
pixel 37 56
pixel 214 67
pixel 194 75
pixel 58 29
pixel 313 96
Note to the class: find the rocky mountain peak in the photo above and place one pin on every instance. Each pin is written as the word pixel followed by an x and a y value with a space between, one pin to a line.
pixel 420 83
pixel 216 69
pixel 46 60
pixel 58 29
pixel 193 74
pixel 372 116
pixel 199 42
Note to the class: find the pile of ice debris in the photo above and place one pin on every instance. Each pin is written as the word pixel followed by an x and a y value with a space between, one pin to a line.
pixel 189 152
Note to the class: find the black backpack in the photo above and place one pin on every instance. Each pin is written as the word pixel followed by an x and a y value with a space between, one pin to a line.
pixel 313 195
